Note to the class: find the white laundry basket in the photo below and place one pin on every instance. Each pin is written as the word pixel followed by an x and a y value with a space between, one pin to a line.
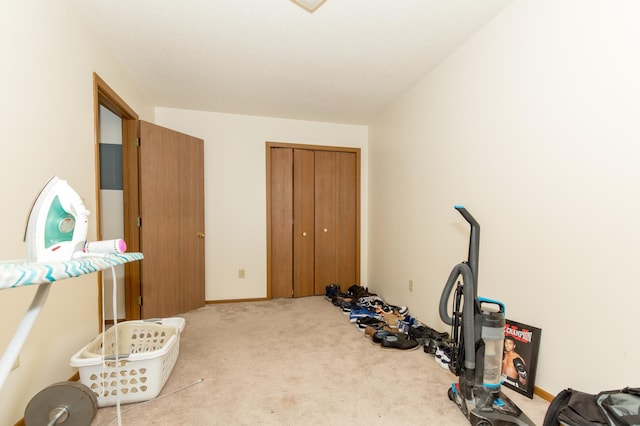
pixel 147 352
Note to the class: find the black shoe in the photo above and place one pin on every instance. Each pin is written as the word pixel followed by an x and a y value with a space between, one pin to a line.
pixel 357 292
pixel 423 334
pixel 379 335
pixel 332 290
pixel 439 335
pixel 399 341
pixel 370 321
pixel 431 346
pixel 419 333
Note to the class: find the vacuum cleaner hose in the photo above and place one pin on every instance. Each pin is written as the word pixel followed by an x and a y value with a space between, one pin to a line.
pixel 468 314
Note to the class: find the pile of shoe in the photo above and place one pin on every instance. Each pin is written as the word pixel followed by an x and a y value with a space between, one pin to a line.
pixel 388 325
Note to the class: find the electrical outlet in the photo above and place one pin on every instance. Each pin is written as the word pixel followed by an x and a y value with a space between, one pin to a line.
pixel 241 273
pixel 410 285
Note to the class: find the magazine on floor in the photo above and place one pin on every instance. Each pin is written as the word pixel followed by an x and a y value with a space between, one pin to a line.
pixel 520 356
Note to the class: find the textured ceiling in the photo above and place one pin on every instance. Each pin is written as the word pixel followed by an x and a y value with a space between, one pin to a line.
pixel 344 63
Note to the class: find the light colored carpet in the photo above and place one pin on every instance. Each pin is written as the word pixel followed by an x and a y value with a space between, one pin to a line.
pixel 297 362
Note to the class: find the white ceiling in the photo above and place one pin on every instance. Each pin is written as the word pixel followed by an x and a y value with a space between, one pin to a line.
pixel 345 63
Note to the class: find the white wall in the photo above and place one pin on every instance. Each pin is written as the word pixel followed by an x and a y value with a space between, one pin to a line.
pixel 47 127
pixel 235 188
pixel 533 125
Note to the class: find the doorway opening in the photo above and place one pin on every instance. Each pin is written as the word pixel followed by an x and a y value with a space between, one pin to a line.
pixel 110 109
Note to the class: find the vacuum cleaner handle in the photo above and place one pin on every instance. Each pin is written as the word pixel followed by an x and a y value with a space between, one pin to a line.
pixel 486 300
pixel 474 244
pixel 467 216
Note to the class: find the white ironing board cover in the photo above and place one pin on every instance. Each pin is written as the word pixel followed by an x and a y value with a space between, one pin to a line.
pixel 20 273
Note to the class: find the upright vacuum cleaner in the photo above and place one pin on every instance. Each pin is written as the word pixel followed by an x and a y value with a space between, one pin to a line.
pixel 477 339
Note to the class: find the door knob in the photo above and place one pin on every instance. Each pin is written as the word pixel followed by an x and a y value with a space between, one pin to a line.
pixel 325 230
pixel 200 235
pixel 304 234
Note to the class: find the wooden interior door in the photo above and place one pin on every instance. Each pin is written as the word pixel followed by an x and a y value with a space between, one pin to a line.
pixel 172 214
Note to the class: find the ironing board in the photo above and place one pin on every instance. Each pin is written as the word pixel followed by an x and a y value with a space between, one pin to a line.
pixel 20 273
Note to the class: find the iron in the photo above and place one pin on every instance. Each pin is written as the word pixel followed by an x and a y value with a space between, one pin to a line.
pixel 57 225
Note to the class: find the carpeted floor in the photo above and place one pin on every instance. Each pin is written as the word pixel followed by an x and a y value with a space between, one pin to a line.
pixel 296 362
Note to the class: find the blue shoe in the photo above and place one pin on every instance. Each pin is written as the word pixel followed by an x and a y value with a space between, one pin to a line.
pixel 407 323
pixel 361 313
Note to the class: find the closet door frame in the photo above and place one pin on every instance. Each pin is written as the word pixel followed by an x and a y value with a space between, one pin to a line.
pixel 268 147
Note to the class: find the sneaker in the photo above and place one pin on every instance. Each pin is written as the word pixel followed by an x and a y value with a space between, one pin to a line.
pixel 339 302
pixel 331 291
pixel 376 323
pixel 407 323
pixel 399 341
pixel 420 333
pixel 432 345
pixel 357 291
pixel 443 356
pixel 348 307
pixel 380 334
pixel 361 313
pixel 425 334
pixel 371 330
pixel 392 309
pixel 390 317
pixel 370 301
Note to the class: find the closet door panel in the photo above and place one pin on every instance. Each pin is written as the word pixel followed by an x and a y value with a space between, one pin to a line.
pixel 346 222
pixel 281 222
pixel 303 223
pixel 326 220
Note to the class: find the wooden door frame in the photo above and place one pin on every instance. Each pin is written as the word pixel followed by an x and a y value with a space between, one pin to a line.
pixel 108 98
pixel 268 146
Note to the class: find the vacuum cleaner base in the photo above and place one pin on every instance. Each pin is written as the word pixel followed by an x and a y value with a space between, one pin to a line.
pixel 502 411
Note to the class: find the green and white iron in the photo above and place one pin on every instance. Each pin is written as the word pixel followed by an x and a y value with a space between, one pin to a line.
pixel 57 226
